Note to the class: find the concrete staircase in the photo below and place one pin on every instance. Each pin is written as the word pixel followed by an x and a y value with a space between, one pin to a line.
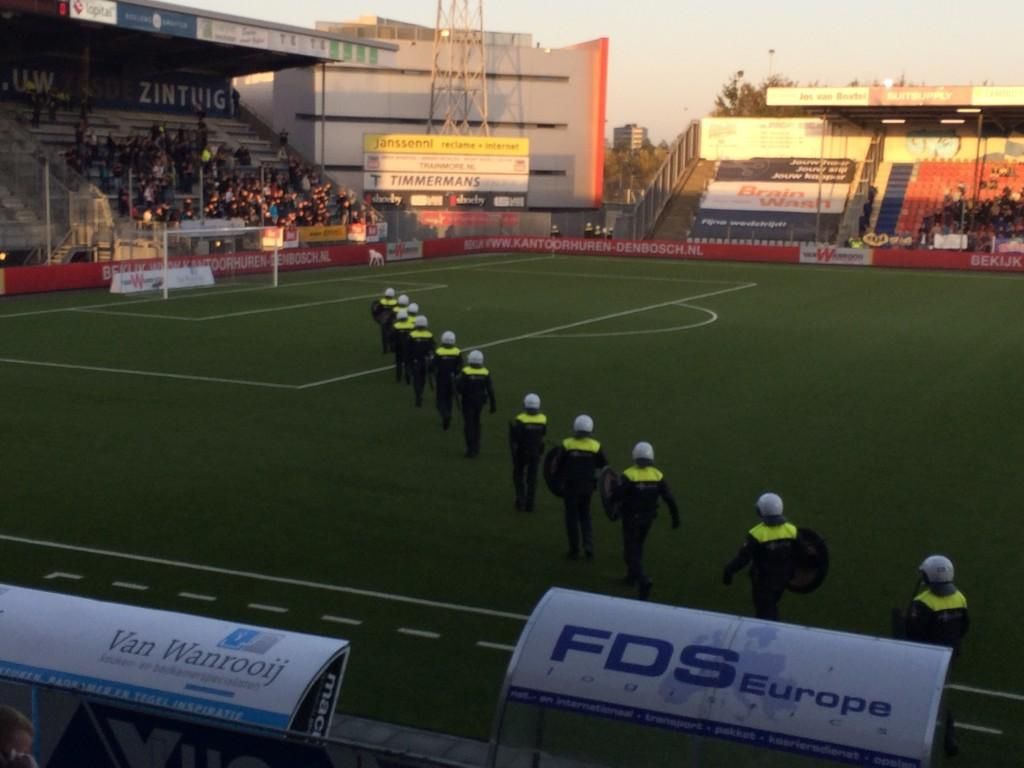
pixel 679 215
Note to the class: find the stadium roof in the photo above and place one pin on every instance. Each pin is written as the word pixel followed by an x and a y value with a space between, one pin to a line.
pixel 992 108
pixel 152 38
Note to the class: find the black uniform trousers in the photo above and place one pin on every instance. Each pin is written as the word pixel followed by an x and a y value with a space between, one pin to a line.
pixel 419 378
pixel 399 348
pixel 578 524
pixel 385 337
pixel 444 400
pixel 471 426
pixel 524 478
pixel 634 534
pixel 766 598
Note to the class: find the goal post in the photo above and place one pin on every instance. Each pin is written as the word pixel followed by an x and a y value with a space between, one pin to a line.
pixel 232 255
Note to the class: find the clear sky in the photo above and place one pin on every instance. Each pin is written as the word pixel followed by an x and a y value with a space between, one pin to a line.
pixel 669 58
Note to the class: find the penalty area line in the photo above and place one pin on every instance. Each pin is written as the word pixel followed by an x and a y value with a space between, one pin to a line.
pixel 251 575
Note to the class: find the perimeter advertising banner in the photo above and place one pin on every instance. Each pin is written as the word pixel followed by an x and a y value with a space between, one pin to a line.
pixel 447 172
pixel 775 196
pixel 843 697
pixel 217 669
pixel 788 169
pixel 764 225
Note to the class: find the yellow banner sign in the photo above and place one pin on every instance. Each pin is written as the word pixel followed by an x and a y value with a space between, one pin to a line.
pixel 322 234
pixel 423 144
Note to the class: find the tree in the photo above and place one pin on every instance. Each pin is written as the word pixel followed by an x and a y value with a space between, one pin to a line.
pixel 740 98
pixel 627 171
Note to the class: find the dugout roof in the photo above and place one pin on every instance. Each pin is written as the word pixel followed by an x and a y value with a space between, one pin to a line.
pixel 996 109
pixel 148 38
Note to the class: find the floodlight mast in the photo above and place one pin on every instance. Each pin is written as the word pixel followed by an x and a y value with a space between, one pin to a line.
pixel 458 79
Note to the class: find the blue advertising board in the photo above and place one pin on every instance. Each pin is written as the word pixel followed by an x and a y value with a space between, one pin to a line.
pixel 174 93
pixel 153 20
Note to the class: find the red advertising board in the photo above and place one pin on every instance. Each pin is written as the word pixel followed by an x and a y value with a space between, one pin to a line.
pixel 983 262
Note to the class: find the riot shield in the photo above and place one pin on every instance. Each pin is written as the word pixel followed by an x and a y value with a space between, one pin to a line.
pixel 811 568
pixel 553 474
pixel 606 485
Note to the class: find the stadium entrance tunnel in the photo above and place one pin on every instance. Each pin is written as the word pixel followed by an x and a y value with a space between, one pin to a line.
pixel 608 681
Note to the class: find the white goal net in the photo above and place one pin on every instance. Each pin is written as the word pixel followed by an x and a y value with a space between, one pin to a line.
pixel 196 257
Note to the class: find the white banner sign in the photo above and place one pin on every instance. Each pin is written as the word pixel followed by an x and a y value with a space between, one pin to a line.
pixel 774 196
pixel 405 251
pixel 100 11
pixel 476 164
pixel 232 34
pixel 139 280
pixel 950 242
pixel 812 692
pixel 206 667
pixel 445 182
pixel 828 254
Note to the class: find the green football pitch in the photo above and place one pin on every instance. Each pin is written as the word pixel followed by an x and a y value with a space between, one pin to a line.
pixel 244 452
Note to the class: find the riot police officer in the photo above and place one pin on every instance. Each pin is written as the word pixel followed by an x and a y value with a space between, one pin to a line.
pixel 475 391
pixel 771 546
pixel 382 311
pixel 582 460
pixel 526 440
pixel 418 353
pixel 400 330
pixel 938 615
pixel 446 364
pixel 640 488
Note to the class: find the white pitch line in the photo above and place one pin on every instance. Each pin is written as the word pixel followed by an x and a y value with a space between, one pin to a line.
pixel 384 277
pixel 130 585
pixel 978 728
pixel 419 633
pixel 606 276
pixel 268 608
pixel 646 332
pixel 545 331
pixel 986 692
pixel 115 313
pixel 62 575
pixel 495 646
pixel 150 374
pixel 196 596
pixel 308 304
pixel 341 620
pixel 269 579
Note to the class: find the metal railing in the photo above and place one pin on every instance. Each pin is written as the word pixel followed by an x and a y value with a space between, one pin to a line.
pixel 637 222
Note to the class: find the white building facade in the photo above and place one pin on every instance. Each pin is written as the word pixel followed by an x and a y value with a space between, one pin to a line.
pixel 556 98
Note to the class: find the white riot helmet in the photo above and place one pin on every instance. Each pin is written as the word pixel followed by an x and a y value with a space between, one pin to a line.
pixel 937 569
pixel 448 339
pixel 421 321
pixel 414 308
pixel 769 505
pixel 403 300
pixel 389 293
pixel 583 423
pixel 643 452
pixel 402 315
pixel 531 402
pixel 476 357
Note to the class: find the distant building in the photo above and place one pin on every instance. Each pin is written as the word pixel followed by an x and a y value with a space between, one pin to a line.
pixel 555 97
pixel 630 136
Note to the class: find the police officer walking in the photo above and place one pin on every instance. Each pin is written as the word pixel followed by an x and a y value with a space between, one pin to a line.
pixel 418 352
pixel 446 364
pixel 640 488
pixel 526 439
pixel 938 615
pixel 382 310
pixel 400 331
pixel 771 546
pixel 475 391
pixel 582 460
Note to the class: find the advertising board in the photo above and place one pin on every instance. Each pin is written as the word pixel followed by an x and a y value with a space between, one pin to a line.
pixel 189 664
pixel 843 697
pixel 829 254
pixel 788 169
pixel 764 225
pixel 153 20
pixel 775 196
pixel 98 11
